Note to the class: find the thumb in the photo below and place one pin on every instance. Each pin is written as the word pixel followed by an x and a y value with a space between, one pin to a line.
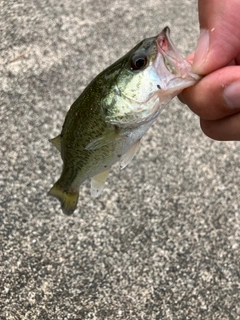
pixel 219 41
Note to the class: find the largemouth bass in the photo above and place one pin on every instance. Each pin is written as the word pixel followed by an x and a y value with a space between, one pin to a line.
pixel 106 123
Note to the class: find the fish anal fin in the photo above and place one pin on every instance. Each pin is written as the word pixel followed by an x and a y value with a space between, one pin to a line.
pixel 56 142
pixel 68 200
pixel 128 156
pixel 97 183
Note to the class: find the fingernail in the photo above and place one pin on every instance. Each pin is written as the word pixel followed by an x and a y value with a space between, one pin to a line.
pixel 232 95
pixel 201 51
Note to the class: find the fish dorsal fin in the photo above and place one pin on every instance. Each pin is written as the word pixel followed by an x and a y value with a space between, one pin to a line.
pixel 97 183
pixel 56 142
pixel 128 156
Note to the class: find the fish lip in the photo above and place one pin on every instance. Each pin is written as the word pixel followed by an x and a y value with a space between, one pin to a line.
pixel 170 53
pixel 165 44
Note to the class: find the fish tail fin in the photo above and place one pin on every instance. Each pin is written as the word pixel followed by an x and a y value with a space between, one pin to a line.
pixel 68 199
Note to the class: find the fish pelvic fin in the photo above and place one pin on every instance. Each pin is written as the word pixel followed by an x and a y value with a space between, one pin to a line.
pixel 68 200
pixel 97 183
pixel 128 156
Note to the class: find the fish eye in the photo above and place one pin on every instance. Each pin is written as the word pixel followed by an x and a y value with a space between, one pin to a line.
pixel 138 62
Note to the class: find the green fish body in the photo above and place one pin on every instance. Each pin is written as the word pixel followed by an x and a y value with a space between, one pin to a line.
pixel 106 123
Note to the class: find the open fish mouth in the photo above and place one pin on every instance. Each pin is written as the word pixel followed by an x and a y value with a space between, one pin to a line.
pixel 172 68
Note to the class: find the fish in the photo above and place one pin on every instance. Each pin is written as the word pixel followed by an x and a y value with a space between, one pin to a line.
pixel 106 123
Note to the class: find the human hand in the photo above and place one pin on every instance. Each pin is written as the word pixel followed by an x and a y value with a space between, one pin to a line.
pixel 216 98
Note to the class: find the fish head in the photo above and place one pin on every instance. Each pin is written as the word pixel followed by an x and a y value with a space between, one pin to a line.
pixel 152 73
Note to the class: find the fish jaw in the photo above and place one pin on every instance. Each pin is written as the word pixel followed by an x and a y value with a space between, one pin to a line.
pixel 175 72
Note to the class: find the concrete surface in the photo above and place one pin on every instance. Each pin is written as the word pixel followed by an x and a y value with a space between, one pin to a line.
pixel 162 242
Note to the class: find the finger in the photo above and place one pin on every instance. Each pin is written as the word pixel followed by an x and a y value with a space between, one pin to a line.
pixel 237 60
pixel 225 129
pixel 216 96
pixel 219 40
pixel 234 62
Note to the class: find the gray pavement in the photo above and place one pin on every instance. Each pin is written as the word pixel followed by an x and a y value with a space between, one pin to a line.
pixel 162 241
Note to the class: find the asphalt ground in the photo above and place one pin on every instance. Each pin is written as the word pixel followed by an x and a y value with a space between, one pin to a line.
pixel 162 241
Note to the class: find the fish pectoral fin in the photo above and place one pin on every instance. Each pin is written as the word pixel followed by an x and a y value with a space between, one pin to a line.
pixel 108 137
pixel 97 183
pixel 128 156
pixel 56 142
